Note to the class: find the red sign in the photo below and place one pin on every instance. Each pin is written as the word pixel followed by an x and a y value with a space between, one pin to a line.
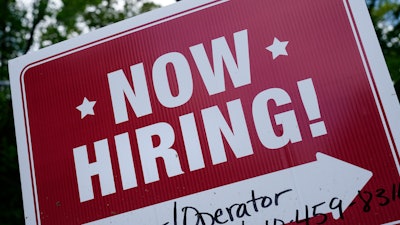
pixel 212 112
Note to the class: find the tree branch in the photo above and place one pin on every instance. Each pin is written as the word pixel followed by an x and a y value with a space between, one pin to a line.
pixel 39 11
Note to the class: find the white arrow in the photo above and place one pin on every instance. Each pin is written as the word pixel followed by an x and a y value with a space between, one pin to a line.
pixel 325 179
pixel 327 185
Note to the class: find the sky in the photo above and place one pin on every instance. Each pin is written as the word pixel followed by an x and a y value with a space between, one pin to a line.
pixel 164 2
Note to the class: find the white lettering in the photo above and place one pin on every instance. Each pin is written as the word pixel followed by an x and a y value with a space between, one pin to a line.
pixel 120 88
pixel 237 137
pixel 85 170
pixel 183 77
pixel 125 161
pixel 263 124
pixel 239 73
pixel 192 143
pixel 149 153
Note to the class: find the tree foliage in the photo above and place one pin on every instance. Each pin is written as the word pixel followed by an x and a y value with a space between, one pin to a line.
pixel 45 22
pixel 75 18
pixel 10 44
pixel 386 17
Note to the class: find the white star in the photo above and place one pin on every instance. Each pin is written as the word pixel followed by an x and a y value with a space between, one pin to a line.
pixel 278 48
pixel 86 107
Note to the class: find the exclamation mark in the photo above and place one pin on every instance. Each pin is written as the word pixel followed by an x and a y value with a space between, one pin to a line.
pixel 310 102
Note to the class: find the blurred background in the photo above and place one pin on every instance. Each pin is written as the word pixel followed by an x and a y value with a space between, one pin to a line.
pixel 28 25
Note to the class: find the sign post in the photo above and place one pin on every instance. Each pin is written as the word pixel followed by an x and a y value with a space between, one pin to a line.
pixel 212 112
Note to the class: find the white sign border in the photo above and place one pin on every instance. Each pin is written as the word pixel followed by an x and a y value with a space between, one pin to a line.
pixel 386 97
